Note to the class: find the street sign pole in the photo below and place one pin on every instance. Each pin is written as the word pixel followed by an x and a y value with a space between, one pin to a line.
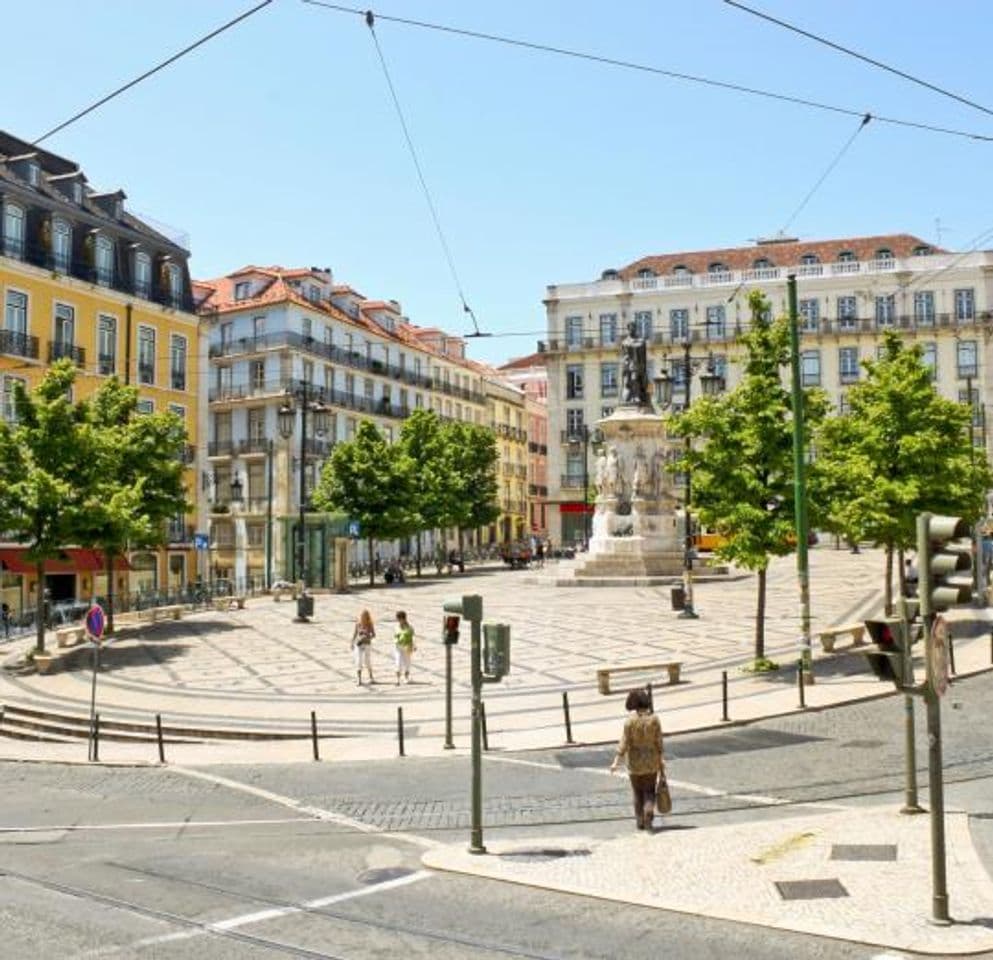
pixel 96 622
pixel 910 802
pixel 449 743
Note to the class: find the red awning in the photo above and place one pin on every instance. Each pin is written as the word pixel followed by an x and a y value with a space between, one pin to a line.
pixel 575 506
pixel 70 560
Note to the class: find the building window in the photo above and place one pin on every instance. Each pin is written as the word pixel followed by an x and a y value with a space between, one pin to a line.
pixel 885 310
pixel 174 278
pixel 177 410
pixel 810 368
pixel 104 260
pixel 608 328
pixel 13 230
pixel 608 379
pixel 256 375
pixel 679 324
pixel 715 323
pixel 145 405
pixel 106 345
pixel 65 329
pixel 606 412
pixel 61 245
pixel 574 421
pixel 717 267
pixel 8 410
pixel 242 289
pixel 929 357
pixel 177 354
pixel 810 315
pixel 256 425
pixel 573 382
pixel 884 253
pixel 227 334
pixel 307 328
pixel 677 372
pixel 143 275
pixel 922 251
pixel 965 305
pixel 16 313
pixel 844 406
pixel 848 312
pixel 965 358
pixel 763 263
pixel 808 259
pixel 846 256
pixel 924 308
pixel 146 355
pixel 573 331
pixel 848 364
pixel 643 324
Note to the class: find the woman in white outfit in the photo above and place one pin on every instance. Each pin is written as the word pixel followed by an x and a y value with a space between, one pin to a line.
pixel 362 644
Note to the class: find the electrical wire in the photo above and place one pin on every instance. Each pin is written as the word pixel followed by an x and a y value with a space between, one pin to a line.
pixel 824 175
pixel 370 21
pixel 858 56
pixel 165 63
pixel 658 71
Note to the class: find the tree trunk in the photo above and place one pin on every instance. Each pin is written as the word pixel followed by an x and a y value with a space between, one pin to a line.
pixel 760 618
pixel 418 561
pixel 901 571
pixel 372 562
pixel 110 591
pixel 888 587
pixel 41 611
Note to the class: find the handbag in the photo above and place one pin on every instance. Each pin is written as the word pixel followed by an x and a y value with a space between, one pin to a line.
pixel 663 799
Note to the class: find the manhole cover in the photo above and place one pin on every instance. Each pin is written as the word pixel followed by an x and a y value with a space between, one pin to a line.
pixel 382 874
pixel 810 889
pixel 863 851
pixel 543 855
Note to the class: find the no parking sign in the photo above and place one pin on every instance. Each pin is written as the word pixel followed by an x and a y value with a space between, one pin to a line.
pixel 96 623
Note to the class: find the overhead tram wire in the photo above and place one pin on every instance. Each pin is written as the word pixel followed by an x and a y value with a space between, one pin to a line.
pixel 658 71
pixel 824 175
pixel 370 20
pixel 161 66
pixel 858 56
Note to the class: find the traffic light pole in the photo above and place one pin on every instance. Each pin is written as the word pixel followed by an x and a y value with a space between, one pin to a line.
pixel 449 743
pixel 910 802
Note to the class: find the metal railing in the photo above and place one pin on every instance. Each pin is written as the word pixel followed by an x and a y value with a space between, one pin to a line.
pixel 18 344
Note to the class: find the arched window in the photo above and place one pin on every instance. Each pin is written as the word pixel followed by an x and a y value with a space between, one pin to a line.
pixel 717 267
pixel 884 253
pixel 922 251
pixel 681 270
pixel 763 263
pixel 808 259
pixel 846 256
pixel 610 274
pixel 646 272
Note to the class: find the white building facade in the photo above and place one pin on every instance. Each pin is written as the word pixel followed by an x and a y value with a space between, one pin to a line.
pixel 849 292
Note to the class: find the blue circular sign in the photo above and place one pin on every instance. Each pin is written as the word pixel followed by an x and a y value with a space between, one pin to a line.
pixel 96 621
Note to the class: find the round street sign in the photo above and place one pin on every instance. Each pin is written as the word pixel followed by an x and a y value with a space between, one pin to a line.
pixel 938 655
pixel 96 621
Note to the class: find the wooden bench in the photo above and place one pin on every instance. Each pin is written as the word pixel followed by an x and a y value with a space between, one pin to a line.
pixel 70 636
pixel 829 636
pixel 672 667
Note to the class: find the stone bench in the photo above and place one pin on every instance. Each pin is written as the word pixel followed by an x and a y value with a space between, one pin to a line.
pixel 829 636
pixel 70 636
pixel 171 612
pixel 651 670
pixel 233 602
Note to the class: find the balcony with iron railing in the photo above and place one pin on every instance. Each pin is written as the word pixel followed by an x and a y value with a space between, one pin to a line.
pixel 179 533
pixel 106 364
pixel 220 448
pixel 571 481
pixel 177 379
pixel 57 350
pixel 146 373
pixel 17 344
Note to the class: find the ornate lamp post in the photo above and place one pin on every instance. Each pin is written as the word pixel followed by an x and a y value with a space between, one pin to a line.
pixel 711 383
pixel 308 399
pixel 584 438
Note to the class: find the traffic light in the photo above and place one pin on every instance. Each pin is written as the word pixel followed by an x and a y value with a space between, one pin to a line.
pixel 450 629
pixel 888 660
pixel 944 561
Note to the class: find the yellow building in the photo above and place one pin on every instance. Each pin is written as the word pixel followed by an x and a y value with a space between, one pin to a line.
pixel 80 277
pixel 505 405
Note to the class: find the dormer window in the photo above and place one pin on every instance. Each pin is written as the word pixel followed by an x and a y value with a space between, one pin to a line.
pixel 174 278
pixel 922 251
pixel 884 253
pixel 61 245
pixel 118 208
pixel 809 259
pixel 846 256
pixel 313 292
pixel 717 267
pixel 77 191
pixel 763 263
pixel 681 270
pixel 34 173
pixel 13 230
pixel 242 290
pixel 143 274
pixel 610 274
pixel 104 260
pixel 644 273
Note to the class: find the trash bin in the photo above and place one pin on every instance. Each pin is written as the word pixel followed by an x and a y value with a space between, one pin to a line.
pixel 305 605
pixel 679 597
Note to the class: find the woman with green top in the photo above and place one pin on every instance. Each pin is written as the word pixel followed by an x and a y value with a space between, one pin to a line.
pixel 641 746
pixel 404 641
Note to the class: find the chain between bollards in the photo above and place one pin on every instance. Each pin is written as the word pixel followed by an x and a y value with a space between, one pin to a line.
pixel 482 721
pixel 400 730
pixel 800 687
pixel 313 734
pixel 158 736
pixel 565 711
pixel 724 697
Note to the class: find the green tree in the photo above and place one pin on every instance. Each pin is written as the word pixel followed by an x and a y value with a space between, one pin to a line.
pixel 47 463
pixel 138 484
pixel 371 481
pixel 470 461
pixel 423 441
pixel 901 449
pixel 742 462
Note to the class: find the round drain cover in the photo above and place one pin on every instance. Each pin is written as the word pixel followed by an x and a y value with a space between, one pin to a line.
pixel 382 874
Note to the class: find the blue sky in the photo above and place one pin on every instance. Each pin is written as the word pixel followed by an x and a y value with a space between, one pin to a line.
pixel 277 142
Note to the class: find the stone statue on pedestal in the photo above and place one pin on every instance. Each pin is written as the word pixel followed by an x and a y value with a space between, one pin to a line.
pixel 641 481
pixel 612 483
pixel 634 369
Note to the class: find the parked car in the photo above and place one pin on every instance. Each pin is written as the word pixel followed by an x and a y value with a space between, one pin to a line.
pixel 516 555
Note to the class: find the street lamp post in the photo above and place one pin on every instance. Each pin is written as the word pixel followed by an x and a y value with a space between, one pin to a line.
pixel 585 437
pixel 307 398
pixel 711 383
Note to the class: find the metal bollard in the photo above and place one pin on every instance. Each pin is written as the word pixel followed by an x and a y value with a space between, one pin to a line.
pixel 96 738
pixel 799 680
pixel 991 646
pixel 565 710
pixel 313 734
pixel 651 697
pixel 482 722
pixel 951 654
pixel 400 730
pixel 158 736
pixel 724 696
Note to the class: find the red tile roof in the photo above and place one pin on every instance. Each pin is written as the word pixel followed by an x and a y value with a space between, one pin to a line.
pixel 522 363
pixel 779 254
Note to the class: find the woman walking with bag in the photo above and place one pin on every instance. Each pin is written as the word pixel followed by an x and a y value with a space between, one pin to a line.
pixel 641 746
pixel 403 640
pixel 362 644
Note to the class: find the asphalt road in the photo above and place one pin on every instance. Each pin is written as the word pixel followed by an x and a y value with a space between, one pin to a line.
pixel 323 860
